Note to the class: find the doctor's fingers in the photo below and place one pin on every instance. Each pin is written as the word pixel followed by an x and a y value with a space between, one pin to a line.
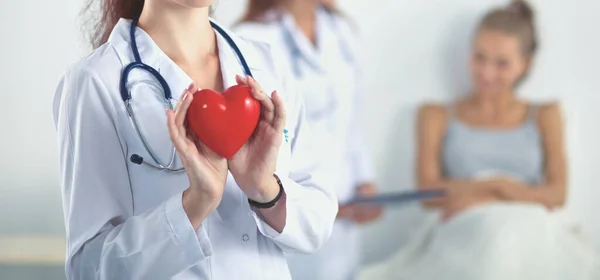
pixel 280 114
pixel 345 211
pixel 268 107
pixel 366 213
pixel 241 80
pixel 366 190
pixel 273 108
pixel 178 141
pixel 181 112
pixel 259 94
pixel 192 88
pixel 184 103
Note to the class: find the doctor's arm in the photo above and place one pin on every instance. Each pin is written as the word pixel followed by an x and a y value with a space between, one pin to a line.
pixel 106 238
pixel 309 203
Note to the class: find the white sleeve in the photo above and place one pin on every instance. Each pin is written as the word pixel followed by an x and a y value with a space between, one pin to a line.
pixel 104 239
pixel 311 204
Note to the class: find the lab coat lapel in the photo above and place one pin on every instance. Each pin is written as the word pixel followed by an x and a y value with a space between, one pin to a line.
pixel 327 41
pixel 150 55
pixel 178 80
pixel 120 39
pixel 307 51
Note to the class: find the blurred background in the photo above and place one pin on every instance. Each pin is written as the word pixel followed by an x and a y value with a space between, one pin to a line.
pixel 414 51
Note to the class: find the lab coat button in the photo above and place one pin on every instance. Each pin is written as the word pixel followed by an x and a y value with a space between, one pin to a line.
pixel 245 237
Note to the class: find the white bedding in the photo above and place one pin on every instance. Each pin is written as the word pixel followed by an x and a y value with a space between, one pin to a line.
pixel 497 241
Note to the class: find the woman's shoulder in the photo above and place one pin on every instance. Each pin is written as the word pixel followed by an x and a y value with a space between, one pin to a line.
pixel 89 78
pixel 548 113
pixel 102 63
pixel 433 115
pixel 433 110
pixel 550 107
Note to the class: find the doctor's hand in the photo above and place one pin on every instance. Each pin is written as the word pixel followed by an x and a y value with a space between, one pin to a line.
pixel 206 171
pixel 366 213
pixel 254 164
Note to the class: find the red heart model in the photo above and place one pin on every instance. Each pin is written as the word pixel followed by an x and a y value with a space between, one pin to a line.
pixel 224 122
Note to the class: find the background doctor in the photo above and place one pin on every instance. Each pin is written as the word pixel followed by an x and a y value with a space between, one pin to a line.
pixel 316 42
pixel 129 221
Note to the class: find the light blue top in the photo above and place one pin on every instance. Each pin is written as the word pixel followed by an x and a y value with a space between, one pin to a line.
pixel 472 152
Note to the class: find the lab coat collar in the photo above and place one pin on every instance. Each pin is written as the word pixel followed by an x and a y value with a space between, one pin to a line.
pixel 312 54
pixel 177 79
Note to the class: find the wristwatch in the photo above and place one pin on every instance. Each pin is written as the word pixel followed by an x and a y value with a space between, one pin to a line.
pixel 271 203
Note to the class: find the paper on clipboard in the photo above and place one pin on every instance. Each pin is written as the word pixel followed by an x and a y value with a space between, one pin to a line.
pixel 399 198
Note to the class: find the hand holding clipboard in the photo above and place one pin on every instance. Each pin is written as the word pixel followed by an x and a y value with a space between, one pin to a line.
pixel 398 198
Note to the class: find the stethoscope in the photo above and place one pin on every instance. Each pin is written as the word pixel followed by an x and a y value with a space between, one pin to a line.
pixel 126 96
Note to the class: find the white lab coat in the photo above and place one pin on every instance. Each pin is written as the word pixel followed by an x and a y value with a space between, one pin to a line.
pixel 126 221
pixel 329 80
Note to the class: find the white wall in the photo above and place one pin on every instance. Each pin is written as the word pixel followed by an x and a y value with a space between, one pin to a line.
pixel 414 51
pixel 38 40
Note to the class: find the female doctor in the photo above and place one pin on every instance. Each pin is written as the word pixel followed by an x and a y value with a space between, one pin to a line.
pixel 317 45
pixel 135 209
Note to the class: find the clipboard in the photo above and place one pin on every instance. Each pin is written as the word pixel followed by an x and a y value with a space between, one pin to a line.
pixel 401 198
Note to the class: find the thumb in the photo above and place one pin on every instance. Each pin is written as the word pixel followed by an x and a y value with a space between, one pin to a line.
pixel 241 80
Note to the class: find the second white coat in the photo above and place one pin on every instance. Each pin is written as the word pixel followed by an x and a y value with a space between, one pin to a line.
pixel 329 80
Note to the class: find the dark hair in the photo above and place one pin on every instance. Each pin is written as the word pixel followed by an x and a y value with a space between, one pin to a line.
pixel 516 19
pixel 102 23
pixel 257 9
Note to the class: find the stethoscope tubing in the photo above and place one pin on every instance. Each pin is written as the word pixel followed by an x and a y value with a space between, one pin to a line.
pixel 126 96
